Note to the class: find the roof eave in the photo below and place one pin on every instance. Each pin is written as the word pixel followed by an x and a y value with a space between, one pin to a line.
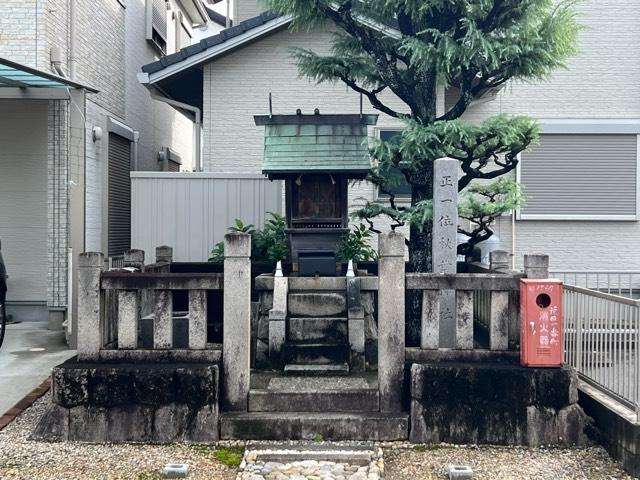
pixel 47 75
pixel 221 49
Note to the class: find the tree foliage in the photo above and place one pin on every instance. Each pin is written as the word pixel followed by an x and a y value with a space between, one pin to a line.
pixel 412 48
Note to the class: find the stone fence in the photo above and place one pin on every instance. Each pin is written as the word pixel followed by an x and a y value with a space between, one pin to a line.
pixel 129 315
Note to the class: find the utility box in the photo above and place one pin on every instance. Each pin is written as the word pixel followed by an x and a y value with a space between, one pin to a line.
pixel 541 327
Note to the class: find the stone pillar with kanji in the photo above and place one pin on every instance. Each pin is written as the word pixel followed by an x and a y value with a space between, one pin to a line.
pixel 444 244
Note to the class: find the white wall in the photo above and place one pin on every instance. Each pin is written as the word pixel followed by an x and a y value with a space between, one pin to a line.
pixel 600 82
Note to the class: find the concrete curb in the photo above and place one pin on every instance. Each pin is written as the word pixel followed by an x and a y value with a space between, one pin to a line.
pixel 11 414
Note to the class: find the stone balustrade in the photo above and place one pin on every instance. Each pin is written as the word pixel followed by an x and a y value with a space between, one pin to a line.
pixel 116 305
pixel 466 286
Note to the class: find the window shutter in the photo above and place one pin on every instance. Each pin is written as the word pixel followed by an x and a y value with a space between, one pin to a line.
pixel 580 176
pixel 119 214
pixel 157 23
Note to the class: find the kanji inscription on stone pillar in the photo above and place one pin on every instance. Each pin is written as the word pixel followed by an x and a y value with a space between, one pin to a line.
pixel 444 243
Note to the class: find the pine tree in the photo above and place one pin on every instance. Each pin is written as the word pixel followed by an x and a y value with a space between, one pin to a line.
pixel 412 48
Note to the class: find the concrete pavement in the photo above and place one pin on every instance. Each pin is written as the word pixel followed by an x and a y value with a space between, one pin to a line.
pixel 26 358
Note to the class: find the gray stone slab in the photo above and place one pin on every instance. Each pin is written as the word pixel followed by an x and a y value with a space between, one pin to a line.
pixel 350 400
pixel 310 329
pixel 317 304
pixel 310 384
pixel 317 369
pixel 306 426
pixel 341 454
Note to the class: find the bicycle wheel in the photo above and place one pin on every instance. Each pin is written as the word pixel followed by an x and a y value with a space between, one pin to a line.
pixel 3 322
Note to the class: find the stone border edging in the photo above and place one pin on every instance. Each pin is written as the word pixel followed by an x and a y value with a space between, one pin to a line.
pixel 11 414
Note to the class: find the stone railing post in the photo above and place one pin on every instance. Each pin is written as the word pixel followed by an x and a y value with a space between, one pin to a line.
pixel 391 321
pixel 236 348
pixel 277 321
pixel 536 266
pixel 164 254
pixel 134 258
pixel 355 312
pixel 90 265
pixel 499 260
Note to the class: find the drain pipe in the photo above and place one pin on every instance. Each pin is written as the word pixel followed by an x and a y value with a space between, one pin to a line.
pixel 198 122
pixel 55 57
pixel 72 39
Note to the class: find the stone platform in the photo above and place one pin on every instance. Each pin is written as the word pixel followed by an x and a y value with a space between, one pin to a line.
pixel 132 402
pixel 495 404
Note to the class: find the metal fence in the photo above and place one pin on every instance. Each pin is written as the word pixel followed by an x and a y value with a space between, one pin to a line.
pixel 625 283
pixel 191 211
pixel 602 340
pixel 114 262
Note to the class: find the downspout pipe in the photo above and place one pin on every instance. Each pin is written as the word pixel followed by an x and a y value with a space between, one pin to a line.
pixel 198 122
pixel 72 39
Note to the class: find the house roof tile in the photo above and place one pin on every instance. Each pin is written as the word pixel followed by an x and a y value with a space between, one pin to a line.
pixel 209 42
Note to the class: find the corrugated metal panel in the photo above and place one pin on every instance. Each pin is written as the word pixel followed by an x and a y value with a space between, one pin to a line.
pixel 119 195
pixel 581 175
pixel 191 211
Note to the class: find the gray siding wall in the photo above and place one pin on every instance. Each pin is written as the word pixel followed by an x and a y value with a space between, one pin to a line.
pixel 23 198
pixel 191 211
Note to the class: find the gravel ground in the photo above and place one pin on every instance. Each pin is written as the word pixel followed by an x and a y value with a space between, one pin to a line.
pixel 21 458
pixel 503 463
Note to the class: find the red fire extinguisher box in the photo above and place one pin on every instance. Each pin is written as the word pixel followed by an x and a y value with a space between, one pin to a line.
pixel 541 323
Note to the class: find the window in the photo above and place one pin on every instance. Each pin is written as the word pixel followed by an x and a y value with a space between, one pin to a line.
pixel 573 176
pixel 401 187
pixel 156 11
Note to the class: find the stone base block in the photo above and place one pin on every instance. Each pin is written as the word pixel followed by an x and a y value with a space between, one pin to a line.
pixel 307 426
pixel 495 404
pixel 617 427
pixel 132 403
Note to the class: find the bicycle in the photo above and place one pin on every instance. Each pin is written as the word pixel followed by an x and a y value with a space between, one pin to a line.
pixel 3 318
pixel 3 297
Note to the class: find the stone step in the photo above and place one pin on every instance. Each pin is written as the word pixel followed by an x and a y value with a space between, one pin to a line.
pixel 316 353
pixel 312 452
pixel 317 329
pixel 316 304
pixel 357 400
pixel 307 369
pixel 312 425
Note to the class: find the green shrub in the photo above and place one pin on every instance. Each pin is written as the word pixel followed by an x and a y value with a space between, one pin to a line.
pixel 268 244
pixel 355 245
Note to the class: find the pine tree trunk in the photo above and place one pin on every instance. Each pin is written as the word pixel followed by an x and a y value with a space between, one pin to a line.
pixel 419 259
